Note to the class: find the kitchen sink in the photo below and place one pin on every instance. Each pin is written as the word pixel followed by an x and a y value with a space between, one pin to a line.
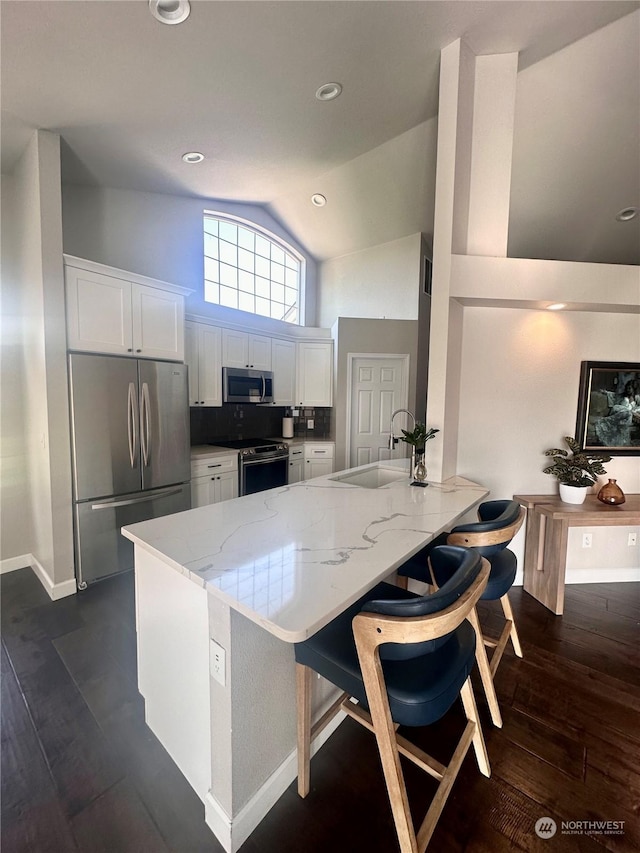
pixel 372 478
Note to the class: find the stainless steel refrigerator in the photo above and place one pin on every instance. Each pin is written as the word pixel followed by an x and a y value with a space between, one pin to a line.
pixel 130 451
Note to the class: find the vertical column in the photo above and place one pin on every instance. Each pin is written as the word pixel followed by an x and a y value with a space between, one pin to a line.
pixel 473 176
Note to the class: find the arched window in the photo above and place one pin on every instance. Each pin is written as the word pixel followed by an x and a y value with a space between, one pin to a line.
pixel 249 269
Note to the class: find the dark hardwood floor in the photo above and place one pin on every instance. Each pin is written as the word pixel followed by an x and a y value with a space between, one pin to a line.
pixel 82 772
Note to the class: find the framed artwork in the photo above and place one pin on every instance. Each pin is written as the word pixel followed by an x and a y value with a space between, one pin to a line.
pixel 609 407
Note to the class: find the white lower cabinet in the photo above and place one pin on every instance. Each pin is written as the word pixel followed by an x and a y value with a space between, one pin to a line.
pixel 296 463
pixel 214 479
pixel 318 459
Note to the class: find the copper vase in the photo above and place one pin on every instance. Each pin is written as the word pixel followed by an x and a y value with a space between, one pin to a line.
pixel 611 493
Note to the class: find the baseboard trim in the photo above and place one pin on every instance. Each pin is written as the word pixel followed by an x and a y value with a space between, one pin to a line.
pixel 12 564
pixel 55 591
pixel 233 832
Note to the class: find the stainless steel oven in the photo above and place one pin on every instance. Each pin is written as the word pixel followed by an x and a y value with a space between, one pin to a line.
pixel 263 464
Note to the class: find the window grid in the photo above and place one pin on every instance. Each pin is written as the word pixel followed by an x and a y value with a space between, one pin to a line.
pixel 249 272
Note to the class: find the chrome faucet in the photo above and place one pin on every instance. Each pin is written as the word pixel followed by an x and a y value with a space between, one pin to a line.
pixel 393 439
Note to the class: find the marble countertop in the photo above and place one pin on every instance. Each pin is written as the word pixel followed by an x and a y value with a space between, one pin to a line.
pixel 198 451
pixel 201 451
pixel 292 558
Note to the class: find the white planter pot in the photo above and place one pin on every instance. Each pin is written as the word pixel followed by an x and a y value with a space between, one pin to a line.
pixel 573 494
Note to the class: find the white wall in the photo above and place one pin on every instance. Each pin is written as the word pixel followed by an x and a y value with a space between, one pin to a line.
pixel 16 533
pixel 379 282
pixel 518 397
pixel 159 236
pixel 46 532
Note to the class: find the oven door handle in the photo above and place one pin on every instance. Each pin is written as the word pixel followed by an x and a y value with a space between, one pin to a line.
pixel 270 459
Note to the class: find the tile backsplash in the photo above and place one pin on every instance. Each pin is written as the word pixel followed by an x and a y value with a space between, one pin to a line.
pixel 233 421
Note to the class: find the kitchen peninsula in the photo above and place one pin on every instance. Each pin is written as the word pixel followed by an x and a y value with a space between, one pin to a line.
pixel 222 593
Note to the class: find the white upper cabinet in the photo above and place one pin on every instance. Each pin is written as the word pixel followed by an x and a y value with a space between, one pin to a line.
pixel 283 364
pixel 108 312
pixel 240 349
pixel 158 323
pixel 203 355
pixel 99 312
pixel 314 373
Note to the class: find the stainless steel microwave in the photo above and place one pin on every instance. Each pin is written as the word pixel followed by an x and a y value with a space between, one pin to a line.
pixel 240 385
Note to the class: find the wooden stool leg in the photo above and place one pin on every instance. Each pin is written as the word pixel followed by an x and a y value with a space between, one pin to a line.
pixel 402 581
pixel 485 671
pixel 508 615
pixel 303 703
pixel 470 709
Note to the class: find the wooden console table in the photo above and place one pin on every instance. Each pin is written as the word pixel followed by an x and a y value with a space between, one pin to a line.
pixel 548 523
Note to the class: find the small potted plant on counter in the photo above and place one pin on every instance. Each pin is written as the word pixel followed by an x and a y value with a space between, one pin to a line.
pixel 417 438
pixel 575 469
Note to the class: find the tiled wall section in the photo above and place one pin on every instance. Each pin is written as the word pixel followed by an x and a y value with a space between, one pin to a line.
pixel 321 426
pixel 237 420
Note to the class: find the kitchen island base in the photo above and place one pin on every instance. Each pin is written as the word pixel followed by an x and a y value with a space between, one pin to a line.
pixel 253 760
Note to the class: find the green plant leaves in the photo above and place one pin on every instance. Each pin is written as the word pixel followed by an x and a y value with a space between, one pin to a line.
pixel 419 435
pixel 578 469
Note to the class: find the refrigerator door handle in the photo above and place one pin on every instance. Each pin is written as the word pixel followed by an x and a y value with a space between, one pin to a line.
pixel 165 493
pixel 132 424
pixel 145 428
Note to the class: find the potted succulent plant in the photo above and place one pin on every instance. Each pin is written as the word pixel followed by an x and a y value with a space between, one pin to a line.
pixel 417 438
pixel 575 469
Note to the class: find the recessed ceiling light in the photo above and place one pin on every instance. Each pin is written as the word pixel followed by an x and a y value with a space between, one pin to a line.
pixel 170 11
pixel 318 199
pixel 556 306
pixel 193 157
pixel 328 91
pixel 626 214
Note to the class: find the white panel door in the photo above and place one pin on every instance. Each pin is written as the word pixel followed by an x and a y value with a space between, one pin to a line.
pixel 378 388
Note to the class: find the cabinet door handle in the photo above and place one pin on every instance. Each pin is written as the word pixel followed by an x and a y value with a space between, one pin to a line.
pixel 138 350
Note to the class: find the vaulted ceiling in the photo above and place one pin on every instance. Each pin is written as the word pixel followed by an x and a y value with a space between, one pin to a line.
pixel 236 81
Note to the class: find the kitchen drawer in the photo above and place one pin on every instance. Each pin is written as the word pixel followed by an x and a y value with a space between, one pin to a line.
pixel 296 451
pixel 214 464
pixel 319 450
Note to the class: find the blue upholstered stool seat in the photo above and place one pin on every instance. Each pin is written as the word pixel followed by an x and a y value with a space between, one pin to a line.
pixel 418 695
pixel 503 572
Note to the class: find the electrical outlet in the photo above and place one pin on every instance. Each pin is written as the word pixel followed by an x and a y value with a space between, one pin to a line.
pixel 586 540
pixel 310 423
pixel 217 662
pixel 632 541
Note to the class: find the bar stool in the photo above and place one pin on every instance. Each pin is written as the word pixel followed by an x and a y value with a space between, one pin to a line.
pixel 499 521
pixel 405 659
